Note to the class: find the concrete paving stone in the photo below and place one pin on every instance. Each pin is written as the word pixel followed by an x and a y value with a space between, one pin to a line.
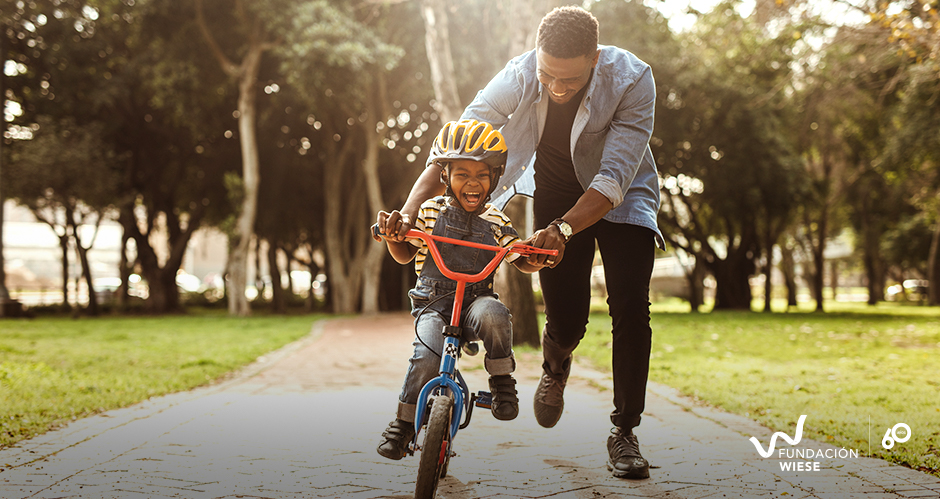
pixel 913 476
pixel 907 487
pixel 917 493
pixel 856 495
pixel 18 491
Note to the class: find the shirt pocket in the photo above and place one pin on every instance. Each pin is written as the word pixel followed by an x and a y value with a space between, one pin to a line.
pixel 589 150
pixel 460 258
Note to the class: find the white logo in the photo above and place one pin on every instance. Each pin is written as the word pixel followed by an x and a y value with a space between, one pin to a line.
pixel 773 439
pixel 892 436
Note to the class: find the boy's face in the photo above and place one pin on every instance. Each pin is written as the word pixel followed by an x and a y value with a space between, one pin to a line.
pixel 470 181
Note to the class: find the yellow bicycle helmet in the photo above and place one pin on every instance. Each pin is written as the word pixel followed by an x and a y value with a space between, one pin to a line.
pixel 473 140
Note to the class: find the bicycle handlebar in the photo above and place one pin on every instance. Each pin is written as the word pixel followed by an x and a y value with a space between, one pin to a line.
pixel 431 240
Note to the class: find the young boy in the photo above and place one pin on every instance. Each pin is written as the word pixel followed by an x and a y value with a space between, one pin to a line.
pixel 471 156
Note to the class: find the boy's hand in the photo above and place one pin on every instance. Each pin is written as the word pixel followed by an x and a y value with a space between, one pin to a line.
pixel 548 238
pixel 394 225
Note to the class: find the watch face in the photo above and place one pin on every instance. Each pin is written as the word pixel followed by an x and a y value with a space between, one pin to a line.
pixel 564 228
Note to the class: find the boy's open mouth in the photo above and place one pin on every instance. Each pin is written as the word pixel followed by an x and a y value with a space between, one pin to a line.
pixel 472 198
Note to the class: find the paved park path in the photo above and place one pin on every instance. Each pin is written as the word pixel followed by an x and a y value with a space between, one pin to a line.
pixel 304 422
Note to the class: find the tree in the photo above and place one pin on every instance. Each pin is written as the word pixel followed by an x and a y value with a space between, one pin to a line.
pixel 245 74
pixel 19 23
pixel 727 169
pixel 914 32
pixel 334 58
pixel 51 175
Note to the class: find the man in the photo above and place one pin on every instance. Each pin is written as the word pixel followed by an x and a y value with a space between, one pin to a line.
pixel 585 114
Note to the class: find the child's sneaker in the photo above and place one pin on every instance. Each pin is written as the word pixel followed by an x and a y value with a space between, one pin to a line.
pixel 396 438
pixel 505 403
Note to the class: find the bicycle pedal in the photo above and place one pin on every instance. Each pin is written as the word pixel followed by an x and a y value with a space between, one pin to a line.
pixel 484 399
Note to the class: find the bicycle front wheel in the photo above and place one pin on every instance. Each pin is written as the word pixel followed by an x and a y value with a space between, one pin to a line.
pixel 435 452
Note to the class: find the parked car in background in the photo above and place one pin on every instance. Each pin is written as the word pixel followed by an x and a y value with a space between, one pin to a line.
pixel 909 290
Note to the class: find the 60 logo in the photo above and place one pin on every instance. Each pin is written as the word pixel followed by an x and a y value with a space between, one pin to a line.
pixel 891 436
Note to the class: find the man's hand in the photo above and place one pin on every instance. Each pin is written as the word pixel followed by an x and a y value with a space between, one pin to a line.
pixel 394 225
pixel 547 238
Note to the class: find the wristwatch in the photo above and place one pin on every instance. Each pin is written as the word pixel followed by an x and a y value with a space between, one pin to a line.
pixel 563 227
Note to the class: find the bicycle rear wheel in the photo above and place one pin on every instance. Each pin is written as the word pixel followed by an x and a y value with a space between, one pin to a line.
pixel 435 452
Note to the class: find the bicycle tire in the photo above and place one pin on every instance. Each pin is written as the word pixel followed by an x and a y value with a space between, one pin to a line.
pixel 435 452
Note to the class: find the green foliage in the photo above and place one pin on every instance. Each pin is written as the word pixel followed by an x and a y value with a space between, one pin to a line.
pixel 731 177
pixel 53 370
pixel 63 166
pixel 838 368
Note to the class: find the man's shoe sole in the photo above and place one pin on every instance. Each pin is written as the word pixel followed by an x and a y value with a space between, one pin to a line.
pixel 635 474
pixel 544 419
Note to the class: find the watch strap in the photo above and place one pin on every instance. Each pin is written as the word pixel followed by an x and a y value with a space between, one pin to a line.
pixel 563 227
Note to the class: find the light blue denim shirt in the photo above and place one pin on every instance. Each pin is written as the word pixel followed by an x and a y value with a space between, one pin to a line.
pixel 609 138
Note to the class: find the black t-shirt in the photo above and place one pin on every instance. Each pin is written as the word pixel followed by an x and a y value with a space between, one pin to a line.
pixel 554 170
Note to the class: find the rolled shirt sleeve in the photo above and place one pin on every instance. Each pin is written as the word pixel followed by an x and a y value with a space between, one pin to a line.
pixel 627 140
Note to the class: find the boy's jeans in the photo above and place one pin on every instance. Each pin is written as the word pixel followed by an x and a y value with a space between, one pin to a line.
pixel 485 319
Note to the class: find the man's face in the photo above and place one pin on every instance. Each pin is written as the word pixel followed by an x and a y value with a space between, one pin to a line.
pixel 564 77
pixel 470 181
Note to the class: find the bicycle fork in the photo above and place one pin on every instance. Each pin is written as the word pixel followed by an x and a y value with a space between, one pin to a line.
pixel 450 379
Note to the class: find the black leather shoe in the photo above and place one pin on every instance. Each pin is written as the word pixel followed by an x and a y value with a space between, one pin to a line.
pixel 505 400
pixel 396 438
pixel 625 460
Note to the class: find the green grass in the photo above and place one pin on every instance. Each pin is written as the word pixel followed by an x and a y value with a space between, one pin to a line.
pixel 53 370
pixel 839 368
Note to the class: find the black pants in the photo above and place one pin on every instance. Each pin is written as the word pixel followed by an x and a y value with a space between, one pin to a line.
pixel 627 252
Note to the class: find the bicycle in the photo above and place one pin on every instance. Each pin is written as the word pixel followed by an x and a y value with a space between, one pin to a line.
pixel 445 403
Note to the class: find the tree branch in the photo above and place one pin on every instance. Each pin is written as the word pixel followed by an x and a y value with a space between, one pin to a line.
pixel 227 65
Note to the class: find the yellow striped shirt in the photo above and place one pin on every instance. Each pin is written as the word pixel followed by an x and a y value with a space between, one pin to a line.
pixel 427 218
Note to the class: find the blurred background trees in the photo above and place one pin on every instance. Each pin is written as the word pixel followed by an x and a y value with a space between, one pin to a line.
pixel 780 127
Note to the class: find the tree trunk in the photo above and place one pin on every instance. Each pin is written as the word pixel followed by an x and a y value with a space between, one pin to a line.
pixel 86 267
pixel 788 267
pixel 277 292
pixel 768 284
pixel 769 242
pixel 818 242
pixel 819 274
pixel 933 268
pixel 244 227
pixel 437 42
pixel 733 291
pixel 834 278
pixel 290 278
pixel 164 294
pixel 311 301
pixel 515 287
pixel 125 270
pixel 343 269
pixel 696 279
pixel 871 255
pixel 375 253
pixel 246 75
pixel 64 246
